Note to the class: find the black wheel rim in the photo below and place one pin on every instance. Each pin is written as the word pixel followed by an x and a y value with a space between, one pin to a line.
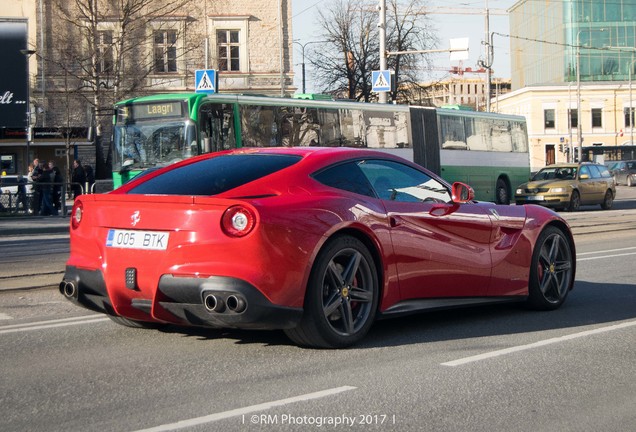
pixel 347 295
pixel 554 268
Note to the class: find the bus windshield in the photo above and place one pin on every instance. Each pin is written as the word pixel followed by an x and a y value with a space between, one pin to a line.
pixel 141 145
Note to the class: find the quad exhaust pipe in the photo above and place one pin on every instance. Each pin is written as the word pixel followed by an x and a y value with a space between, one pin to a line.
pixel 213 304
pixel 236 303
pixel 68 289
pixel 233 303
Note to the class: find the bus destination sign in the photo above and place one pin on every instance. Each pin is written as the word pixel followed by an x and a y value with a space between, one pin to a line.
pixel 149 111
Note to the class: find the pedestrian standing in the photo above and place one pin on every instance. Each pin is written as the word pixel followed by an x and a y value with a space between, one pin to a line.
pixel 46 189
pixel 56 187
pixel 79 178
pixel 37 192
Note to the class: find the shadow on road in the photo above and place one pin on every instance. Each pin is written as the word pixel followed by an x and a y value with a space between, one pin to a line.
pixel 588 304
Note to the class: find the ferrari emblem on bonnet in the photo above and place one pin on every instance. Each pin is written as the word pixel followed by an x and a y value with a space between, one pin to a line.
pixel 135 218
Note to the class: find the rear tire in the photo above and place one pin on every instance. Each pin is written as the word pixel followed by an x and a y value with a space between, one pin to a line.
pixel 551 271
pixel 341 298
pixel 502 192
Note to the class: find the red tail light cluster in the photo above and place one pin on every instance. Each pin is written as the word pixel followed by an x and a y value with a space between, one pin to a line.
pixel 238 221
pixel 76 214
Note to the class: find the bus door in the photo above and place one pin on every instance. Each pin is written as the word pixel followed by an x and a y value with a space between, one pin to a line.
pixel 217 129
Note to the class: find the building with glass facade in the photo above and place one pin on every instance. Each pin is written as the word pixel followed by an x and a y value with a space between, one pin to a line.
pixel 572 67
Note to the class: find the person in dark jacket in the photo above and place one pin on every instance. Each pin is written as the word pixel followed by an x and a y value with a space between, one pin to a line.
pixel 79 178
pixel 90 177
pixel 56 188
pixel 45 182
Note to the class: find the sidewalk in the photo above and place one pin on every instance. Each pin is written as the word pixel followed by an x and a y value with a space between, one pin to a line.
pixel 24 225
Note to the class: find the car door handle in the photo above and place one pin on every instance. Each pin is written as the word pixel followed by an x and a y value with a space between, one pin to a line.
pixel 393 222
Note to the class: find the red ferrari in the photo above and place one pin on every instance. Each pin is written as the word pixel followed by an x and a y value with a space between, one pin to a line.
pixel 319 242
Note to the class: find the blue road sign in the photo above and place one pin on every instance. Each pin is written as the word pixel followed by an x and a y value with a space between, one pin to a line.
pixel 205 81
pixel 381 81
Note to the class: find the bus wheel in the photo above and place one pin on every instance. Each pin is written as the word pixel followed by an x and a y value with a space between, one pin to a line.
pixel 502 192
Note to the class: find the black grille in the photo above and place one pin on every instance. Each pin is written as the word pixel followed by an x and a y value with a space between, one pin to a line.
pixel 131 278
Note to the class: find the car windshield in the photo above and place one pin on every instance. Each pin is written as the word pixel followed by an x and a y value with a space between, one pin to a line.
pixel 556 173
pixel 215 175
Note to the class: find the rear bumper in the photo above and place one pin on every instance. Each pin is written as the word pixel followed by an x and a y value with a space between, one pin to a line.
pixel 218 302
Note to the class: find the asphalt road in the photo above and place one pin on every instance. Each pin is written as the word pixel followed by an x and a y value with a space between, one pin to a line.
pixel 497 368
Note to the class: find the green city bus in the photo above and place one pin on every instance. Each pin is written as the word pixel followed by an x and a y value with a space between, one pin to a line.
pixel 488 151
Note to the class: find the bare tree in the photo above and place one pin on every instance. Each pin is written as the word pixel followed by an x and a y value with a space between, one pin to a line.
pixel 100 53
pixel 408 30
pixel 344 62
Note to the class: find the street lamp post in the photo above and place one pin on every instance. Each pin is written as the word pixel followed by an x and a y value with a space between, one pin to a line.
pixel 302 46
pixel 579 120
pixel 28 53
pixel 579 132
pixel 631 106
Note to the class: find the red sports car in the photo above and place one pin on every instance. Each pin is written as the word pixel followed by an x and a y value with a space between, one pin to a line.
pixel 319 242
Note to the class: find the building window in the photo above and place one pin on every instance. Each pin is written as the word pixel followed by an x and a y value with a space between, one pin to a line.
pixel 628 119
pixel 165 48
pixel 228 45
pixel 105 51
pixel 597 117
pixel 573 115
pixel 548 117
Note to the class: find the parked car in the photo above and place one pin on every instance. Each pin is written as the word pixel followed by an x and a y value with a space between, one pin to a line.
pixel 319 242
pixel 568 186
pixel 624 172
pixel 9 184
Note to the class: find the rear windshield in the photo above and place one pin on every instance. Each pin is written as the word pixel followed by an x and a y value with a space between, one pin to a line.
pixel 215 175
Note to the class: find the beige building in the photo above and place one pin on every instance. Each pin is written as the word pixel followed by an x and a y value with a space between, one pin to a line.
pixel 470 92
pixel 570 51
pixel 84 62
pixel 553 124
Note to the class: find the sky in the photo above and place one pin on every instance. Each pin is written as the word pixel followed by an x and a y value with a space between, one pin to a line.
pixel 465 22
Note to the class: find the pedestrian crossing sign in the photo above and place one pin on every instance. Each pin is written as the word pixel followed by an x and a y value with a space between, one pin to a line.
pixel 381 81
pixel 205 81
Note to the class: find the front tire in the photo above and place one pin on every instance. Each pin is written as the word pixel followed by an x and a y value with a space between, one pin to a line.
pixel 551 271
pixel 608 201
pixel 342 296
pixel 575 201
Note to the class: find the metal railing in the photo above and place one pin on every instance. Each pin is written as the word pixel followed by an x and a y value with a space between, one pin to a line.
pixel 44 199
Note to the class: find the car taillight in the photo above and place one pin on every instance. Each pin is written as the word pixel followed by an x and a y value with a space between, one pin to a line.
pixel 238 221
pixel 76 214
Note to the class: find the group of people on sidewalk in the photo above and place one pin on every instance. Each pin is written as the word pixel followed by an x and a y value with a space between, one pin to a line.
pixel 47 180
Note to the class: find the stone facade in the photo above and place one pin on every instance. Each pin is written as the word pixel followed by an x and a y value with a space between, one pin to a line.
pixel 68 89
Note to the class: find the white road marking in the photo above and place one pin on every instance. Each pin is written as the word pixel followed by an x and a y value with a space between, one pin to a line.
pixel 4 316
pixel 605 252
pixel 52 324
pixel 545 342
pixel 246 410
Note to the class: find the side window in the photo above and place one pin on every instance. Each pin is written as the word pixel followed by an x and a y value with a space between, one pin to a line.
pixel 397 182
pixel 346 176
pixel 594 171
pixel 583 171
pixel 604 171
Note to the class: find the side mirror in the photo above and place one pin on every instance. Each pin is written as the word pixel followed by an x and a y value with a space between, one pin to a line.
pixel 584 176
pixel 462 193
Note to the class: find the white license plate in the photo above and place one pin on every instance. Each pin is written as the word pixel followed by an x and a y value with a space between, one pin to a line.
pixel 131 239
pixel 535 198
